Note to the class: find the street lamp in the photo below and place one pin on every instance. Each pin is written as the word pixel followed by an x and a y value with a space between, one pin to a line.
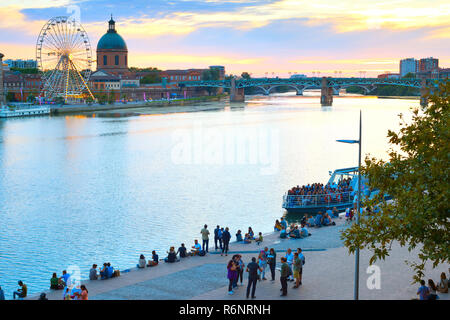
pixel 358 206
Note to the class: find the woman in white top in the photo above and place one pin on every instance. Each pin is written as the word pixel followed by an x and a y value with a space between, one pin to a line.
pixel 142 262
pixel 443 284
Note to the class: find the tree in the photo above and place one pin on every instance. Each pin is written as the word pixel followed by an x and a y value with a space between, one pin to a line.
pixel 245 75
pixel 211 74
pixel 25 70
pixel 409 75
pixel 417 178
pixel 153 77
pixel 11 97
pixel 31 98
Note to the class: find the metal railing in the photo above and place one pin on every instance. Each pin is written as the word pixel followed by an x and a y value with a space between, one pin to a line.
pixel 329 199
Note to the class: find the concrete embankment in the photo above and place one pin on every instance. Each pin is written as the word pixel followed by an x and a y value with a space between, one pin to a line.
pixel 400 97
pixel 327 274
pixel 81 109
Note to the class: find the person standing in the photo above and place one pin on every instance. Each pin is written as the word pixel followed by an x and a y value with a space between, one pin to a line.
pixel 2 294
pixel 252 269
pixel 232 275
pixel 284 276
pixel 289 259
pixel 297 269
pixel 272 261
pixel 262 261
pixel 216 237
pixel 241 269
pixel 226 236
pixel 302 258
pixel 205 238
pixel 220 238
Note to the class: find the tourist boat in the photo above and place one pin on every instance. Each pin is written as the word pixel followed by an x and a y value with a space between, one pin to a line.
pixel 23 110
pixel 314 203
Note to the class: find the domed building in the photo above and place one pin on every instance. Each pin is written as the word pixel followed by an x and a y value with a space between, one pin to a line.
pixel 112 52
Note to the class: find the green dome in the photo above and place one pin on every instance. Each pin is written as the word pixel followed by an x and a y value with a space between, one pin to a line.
pixel 111 40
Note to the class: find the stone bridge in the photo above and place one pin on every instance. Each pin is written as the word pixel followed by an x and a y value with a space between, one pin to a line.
pixel 328 86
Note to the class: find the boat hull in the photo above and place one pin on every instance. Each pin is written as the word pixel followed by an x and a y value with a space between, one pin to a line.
pixel 322 208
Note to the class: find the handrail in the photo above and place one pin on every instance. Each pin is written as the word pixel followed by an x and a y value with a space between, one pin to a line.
pixel 298 201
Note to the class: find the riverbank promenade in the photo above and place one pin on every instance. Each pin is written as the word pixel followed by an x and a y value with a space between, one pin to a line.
pixel 327 274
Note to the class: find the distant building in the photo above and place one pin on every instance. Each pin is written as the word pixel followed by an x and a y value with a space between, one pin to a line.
pixel 444 73
pixel 389 76
pixel 182 75
pixel 112 52
pixel 32 81
pixel 428 64
pixel 22 64
pixel 221 71
pixel 101 80
pixel 409 65
pixel 129 81
pixel 298 76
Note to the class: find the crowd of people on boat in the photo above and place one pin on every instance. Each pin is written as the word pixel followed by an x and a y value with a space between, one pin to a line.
pixel 318 193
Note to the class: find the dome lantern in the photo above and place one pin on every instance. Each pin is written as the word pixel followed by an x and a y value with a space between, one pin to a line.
pixel 112 25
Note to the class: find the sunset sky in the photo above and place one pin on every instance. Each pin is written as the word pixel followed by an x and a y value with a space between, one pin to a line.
pixel 257 36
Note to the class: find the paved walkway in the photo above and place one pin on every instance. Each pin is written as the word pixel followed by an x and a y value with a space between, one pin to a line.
pixel 328 274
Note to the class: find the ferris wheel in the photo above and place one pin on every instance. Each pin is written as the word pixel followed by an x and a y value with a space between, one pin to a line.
pixel 64 55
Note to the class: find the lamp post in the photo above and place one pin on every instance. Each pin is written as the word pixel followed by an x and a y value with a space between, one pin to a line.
pixel 358 206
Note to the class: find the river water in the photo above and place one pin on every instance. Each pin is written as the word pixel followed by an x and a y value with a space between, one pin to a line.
pixel 80 190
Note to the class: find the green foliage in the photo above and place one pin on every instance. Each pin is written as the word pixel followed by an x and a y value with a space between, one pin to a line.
pixel 409 75
pixel 101 97
pixel 153 77
pixel 136 69
pixel 391 90
pixel 26 70
pixel 31 98
pixel 245 75
pixel 211 74
pixel 355 89
pixel 11 97
pixel 417 177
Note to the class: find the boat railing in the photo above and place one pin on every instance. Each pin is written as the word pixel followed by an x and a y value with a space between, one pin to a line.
pixel 329 199
pixel 20 106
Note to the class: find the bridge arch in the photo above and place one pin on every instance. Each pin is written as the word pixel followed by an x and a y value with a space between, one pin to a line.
pixel 298 89
pixel 366 89
pixel 261 88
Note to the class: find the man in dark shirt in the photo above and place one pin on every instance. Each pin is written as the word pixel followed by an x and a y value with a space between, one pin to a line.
pixel 226 236
pixel 285 270
pixel 182 251
pixel 216 236
pixel 252 269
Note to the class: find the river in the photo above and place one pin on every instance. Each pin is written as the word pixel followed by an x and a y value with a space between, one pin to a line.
pixel 80 190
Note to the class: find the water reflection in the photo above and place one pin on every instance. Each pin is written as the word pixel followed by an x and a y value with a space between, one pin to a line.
pixel 83 190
